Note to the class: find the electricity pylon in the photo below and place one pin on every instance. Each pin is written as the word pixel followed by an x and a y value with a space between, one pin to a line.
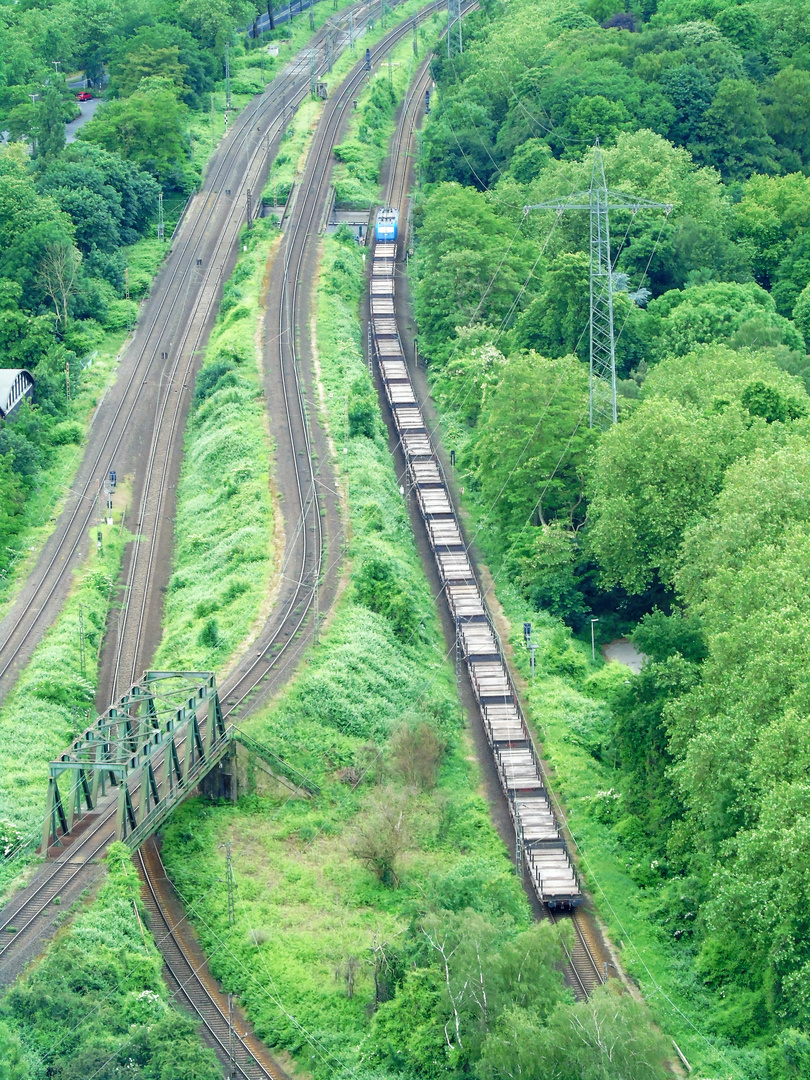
pixel 453 17
pixel 599 199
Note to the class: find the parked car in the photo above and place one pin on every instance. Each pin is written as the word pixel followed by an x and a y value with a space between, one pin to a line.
pixel 85 95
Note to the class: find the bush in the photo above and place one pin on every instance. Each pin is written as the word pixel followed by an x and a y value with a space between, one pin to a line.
pixel 383 834
pixel 69 431
pixel 415 753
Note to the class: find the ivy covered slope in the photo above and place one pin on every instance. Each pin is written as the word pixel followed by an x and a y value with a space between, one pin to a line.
pixel 684 525
pixel 96 1005
pixel 348 902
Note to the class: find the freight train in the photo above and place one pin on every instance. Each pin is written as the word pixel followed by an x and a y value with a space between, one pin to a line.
pixel 541 848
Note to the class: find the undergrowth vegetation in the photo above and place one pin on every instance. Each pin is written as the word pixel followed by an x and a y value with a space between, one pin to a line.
pixel 291 156
pixel 223 550
pixel 47 1027
pixel 54 697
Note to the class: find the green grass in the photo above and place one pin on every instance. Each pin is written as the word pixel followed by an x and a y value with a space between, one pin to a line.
pixel 305 905
pixel 223 549
pixel 53 700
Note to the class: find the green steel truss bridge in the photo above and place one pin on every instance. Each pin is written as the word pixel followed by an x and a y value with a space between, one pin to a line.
pixel 151 748
pixel 145 755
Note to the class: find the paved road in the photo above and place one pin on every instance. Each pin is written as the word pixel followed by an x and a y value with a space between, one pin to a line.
pixel 88 112
pixel 623 651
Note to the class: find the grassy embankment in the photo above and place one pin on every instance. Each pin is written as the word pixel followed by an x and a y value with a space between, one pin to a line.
pixel 223 552
pixel 54 697
pixel 568 707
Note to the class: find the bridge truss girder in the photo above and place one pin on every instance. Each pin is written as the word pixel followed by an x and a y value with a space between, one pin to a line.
pixel 158 741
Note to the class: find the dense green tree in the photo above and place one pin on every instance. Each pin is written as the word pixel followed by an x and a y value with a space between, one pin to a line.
pixel 555 323
pixel 543 563
pixel 12 1063
pixel 690 91
pixel 471 267
pixel 712 313
pixel 792 275
pixel 733 135
pixel 533 440
pixel 655 475
pixel 787 115
pixel 605 1037
pixel 772 214
pixel 147 129
pixel 801 312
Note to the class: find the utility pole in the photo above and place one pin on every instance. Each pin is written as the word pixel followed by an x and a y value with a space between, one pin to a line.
pixel 598 200
pixel 67 381
pixel 415 44
pixel 249 210
pixel 351 29
pixel 56 64
pixel 312 72
pixel 161 227
pixel 311 19
pixel 329 50
pixel 82 657
pixel 382 13
pixel 390 73
pixel 227 77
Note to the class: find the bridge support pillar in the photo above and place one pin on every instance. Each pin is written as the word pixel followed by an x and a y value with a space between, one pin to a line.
pixel 222 782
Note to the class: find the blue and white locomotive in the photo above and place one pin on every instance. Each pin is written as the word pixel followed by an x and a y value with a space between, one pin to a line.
pixel 385 230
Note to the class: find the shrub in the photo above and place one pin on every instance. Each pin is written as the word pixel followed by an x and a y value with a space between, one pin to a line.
pixel 416 753
pixel 383 834
pixel 69 431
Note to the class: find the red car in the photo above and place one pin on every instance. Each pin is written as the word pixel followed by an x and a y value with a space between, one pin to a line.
pixel 85 95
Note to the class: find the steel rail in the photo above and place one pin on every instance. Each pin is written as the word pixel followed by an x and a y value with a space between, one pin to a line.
pixel 582 969
pixel 321 165
pixel 131 642
pixel 226 157
pixel 102 824
pixel 192 991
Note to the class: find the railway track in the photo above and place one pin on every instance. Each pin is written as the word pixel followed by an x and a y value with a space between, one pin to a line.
pixel 32 914
pixel 312 554
pixel 126 432
pixel 583 971
pixel 189 983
